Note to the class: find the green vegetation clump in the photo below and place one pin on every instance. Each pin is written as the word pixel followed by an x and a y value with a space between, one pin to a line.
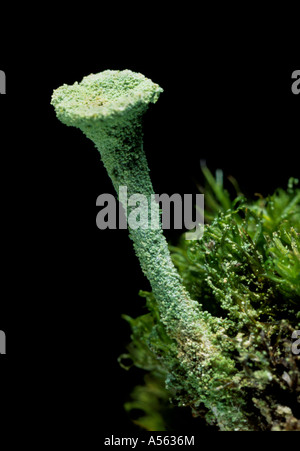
pixel 245 275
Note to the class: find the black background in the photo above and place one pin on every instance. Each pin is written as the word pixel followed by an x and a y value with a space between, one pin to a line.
pixel 227 99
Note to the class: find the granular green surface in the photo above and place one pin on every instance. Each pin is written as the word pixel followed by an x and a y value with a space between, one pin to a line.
pixel 190 343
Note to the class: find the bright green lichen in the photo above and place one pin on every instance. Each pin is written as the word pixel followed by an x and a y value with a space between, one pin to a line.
pixel 108 108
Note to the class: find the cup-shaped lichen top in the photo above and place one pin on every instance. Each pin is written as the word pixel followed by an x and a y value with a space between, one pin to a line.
pixel 108 108
pixel 104 96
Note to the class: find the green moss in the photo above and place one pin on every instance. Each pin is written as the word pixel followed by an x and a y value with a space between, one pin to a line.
pixel 245 275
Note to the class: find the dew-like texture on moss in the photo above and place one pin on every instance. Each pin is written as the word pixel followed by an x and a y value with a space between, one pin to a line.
pixel 245 274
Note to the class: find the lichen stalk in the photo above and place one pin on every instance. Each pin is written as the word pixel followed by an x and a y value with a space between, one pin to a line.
pixel 108 108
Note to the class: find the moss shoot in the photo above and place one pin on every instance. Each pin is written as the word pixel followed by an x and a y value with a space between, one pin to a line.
pixel 245 274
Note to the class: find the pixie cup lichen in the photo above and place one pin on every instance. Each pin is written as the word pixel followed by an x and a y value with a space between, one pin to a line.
pixel 108 107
